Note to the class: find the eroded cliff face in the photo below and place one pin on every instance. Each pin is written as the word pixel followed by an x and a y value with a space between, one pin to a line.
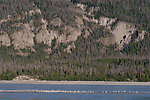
pixel 4 39
pixel 23 38
pixel 121 31
pixel 44 35
pixel 67 32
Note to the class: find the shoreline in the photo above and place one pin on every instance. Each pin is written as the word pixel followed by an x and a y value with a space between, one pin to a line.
pixel 74 82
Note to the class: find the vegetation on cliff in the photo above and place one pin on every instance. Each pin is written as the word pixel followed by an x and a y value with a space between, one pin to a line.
pixel 68 55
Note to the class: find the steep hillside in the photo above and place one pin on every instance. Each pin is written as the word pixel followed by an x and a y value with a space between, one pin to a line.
pixel 75 40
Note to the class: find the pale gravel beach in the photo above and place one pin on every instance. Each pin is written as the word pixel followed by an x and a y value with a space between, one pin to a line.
pixel 74 82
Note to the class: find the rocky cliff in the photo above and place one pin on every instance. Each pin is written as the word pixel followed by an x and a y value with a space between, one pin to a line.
pixel 41 30
pixel 75 39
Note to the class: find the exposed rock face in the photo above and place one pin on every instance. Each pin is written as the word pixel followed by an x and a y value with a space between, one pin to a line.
pixel 4 39
pixel 70 34
pixel 107 22
pixel 123 32
pixel 24 77
pixel 23 38
pixel 44 35
pixel 140 36
pixel 65 32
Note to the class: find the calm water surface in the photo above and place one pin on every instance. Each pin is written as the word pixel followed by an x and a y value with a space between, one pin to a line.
pixel 74 96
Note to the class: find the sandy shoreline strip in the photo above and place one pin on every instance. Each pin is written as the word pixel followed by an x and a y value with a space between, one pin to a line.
pixel 74 82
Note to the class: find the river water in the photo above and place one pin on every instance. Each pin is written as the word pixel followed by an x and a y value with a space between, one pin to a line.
pixel 76 92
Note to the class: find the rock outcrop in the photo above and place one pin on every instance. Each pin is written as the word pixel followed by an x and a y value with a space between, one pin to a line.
pixel 25 77
pixel 123 32
pixel 70 34
pixel 44 36
pixel 4 39
pixel 56 27
pixel 23 38
pixel 107 22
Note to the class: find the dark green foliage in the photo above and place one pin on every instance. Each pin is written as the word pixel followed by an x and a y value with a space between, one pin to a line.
pixel 8 75
pixel 136 11
pixel 90 60
pixel 75 1
pixel 139 48
pixel 106 69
